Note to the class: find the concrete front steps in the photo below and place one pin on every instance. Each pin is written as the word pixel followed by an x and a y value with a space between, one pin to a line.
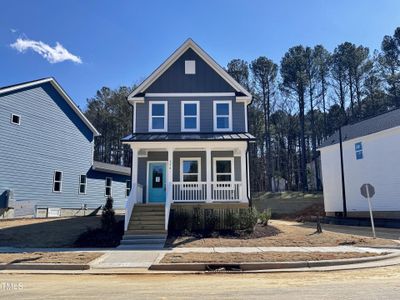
pixel 146 229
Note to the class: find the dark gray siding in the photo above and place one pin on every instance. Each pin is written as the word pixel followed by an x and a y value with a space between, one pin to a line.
pixel 174 79
pixel 163 156
pixel 206 113
pixel 51 137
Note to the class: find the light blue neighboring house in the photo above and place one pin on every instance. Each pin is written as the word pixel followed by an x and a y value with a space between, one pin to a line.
pixel 46 156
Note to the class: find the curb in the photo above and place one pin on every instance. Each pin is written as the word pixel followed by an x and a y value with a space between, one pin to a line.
pixel 39 267
pixel 257 266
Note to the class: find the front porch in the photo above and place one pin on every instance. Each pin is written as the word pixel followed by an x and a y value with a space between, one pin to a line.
pixel 188 172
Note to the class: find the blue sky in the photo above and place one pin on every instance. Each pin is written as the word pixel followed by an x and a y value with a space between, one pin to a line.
pixel 121 42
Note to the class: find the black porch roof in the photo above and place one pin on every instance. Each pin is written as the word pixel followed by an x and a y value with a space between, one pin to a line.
pixel 195 136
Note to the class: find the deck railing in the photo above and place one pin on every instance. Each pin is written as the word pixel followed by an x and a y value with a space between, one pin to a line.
pixel 197 191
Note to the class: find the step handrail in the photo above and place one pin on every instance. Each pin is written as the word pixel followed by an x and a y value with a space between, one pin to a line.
pixel 134 196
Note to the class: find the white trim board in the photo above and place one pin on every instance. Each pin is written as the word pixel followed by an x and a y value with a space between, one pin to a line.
pixel 189 43
pixel 61 91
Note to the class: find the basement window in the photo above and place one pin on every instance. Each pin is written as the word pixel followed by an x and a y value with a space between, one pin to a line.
pixel 15 119
pixel 359 150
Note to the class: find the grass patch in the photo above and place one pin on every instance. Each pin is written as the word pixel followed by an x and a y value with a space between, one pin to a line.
pixel 236 257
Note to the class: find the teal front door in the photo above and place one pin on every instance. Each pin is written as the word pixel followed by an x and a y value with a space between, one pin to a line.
pixel 157 182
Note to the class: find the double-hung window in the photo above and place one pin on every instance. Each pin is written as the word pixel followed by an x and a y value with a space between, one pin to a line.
pixel 223 169
pixel 108 191
pixel 359 150
pixel 222 115
pixel 57 181
pixel 190 169
pixel 190 120
pixel 128 188
pixel 158 116
pixel 82 184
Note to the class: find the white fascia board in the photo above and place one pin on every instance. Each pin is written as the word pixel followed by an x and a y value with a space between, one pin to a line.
pixel 189 43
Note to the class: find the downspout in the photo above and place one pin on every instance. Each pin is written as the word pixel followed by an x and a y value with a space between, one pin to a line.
pixel 342 173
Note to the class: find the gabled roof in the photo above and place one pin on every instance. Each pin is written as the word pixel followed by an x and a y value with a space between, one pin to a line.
pixel 138 93
pixel 372 125
pixel 56 85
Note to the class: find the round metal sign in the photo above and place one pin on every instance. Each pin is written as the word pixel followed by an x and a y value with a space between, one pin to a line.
pixel 367 190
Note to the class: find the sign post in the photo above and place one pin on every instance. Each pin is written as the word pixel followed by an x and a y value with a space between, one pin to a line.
pixel 368 191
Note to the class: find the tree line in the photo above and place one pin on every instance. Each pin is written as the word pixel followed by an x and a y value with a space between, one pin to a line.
pixel 297 103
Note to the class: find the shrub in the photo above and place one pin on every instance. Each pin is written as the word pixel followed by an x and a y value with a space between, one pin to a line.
pixel 181 221
pixel 232 220
pixel 211 220
pixel 265 216
pixel 197 220
pixel 108 215
pixel 248 219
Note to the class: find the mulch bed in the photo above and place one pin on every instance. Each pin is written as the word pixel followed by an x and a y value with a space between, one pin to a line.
pixel 49 257
pixel 277 234
pixel 236 257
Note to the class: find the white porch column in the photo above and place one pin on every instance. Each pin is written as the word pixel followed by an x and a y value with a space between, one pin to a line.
pixel 243 174
pixel 170 166
pixel 208 174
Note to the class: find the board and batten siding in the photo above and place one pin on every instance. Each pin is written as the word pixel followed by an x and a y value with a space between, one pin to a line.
pixel 206 113
pixel 50 137
pixel 380 167
pixel 174 79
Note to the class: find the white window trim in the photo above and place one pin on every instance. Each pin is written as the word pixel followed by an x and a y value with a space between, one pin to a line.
pixel 19 119
pixel 229 117
pixel 108 186
pixel 215 168
pixel 60 181
pixel 126 187
pixel 151 116
pixel 80 183
pixel 198 159
pixel 197 116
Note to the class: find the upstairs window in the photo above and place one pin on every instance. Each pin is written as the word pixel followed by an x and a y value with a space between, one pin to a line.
pixel 190 67
pixel 128 188
pixel 359 150
pixel 82 184
pixel 190 120
pixel 15 119
pixel 108 191
pixel 190 169
pixel 222 116
pixel 158 116
pixel 57 181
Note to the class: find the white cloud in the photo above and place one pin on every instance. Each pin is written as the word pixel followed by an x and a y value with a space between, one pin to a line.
pixel 51 54
pixel 13 30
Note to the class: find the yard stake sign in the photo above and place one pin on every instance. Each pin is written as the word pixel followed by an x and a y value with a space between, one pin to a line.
pixel 368 191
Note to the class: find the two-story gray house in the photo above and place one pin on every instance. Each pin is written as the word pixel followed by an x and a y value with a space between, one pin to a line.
pixel 46 156
pixel 189 142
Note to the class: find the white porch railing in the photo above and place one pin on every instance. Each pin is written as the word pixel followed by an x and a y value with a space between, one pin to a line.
pixel 197 191
pixel 135 196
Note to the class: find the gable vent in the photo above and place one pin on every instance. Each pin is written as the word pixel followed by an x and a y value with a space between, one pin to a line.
pixel 190 67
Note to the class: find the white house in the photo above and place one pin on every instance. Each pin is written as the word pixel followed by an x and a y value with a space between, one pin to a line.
pixel 371 151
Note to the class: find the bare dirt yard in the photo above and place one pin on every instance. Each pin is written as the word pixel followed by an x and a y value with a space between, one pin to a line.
pixel 236 257
pixel 49 257
pixel 279 233
pixel 45 233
